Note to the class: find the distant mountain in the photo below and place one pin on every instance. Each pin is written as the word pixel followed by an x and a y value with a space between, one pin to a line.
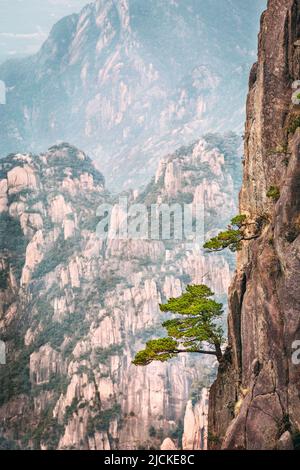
pixel 75 309
pixel 131 80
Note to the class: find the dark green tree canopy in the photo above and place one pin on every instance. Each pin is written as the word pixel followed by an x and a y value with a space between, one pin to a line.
pixel 194 327
pixel 231 238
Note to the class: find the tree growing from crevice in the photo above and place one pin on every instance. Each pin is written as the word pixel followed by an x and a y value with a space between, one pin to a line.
pixel 194 330
pixel 231 238
pixel 273 193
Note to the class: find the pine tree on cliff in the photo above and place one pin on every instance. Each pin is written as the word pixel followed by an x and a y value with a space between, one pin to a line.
pixel 195 325
pixel 233 237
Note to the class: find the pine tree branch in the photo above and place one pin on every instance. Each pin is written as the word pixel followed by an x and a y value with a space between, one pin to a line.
pixel 250 238
pixel 198 351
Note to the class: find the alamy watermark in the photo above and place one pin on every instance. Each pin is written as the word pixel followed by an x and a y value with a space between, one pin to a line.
pixel 296 93
pixel 178 222
pixel 2 353
pixel 296 353
pixel 2 92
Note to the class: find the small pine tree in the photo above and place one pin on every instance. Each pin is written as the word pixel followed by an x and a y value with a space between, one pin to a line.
pixel 274 193
pixel 195 324
pixel 231 238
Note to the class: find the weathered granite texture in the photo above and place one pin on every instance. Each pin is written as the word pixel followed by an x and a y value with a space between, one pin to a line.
pixel 255 404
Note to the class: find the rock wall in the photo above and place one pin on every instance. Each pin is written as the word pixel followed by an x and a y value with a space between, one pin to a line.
pixel 254 404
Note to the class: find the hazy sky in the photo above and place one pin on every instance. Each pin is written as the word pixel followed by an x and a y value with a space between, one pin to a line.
pixel 25 24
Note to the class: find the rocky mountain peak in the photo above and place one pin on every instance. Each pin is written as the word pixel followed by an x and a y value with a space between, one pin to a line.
pixel 106 9
pixel 116 80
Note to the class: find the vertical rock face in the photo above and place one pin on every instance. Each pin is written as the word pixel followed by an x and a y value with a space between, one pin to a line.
pixel 74 309
pixel 254 404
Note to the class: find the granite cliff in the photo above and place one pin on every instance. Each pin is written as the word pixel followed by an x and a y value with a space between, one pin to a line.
pixel 254 404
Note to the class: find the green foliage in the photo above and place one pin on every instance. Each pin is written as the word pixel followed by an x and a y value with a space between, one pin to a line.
pixel 231 238
pixel 13 241
pixel 21 195
pixel 182 198
pixel 296 440
pixel 6 444
pixel 213 439
pixel 292 233
pixel 102 420
pixel 151 192
pixel 274 193
pixel 3 279
pixel 54 333
pixel 294 123
pixel 282 148
pixel 196 325
pixel 57 384
pixel 61 251
pixel 108 284
pixel 90 427
pixel 239 220
pixel 156 350
pixel 89 222
pixel 73 162
pixel 185 150
pixel 14 377
pixel 70 410
pixel 156 433
pixel 152 431
pixel 49 430
pixel 103 355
